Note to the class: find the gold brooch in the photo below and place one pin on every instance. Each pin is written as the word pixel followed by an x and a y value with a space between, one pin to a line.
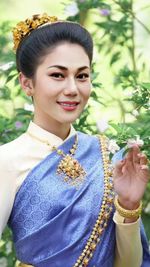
pixel 69 167
pixel 73 171
pixel 23 28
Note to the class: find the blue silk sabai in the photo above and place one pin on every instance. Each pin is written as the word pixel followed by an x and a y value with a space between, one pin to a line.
pixel 51 220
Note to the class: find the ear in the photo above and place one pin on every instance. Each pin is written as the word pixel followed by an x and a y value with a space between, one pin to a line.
pixel 26 84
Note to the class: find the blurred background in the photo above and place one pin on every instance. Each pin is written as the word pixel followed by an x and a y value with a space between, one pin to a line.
pixel 120 100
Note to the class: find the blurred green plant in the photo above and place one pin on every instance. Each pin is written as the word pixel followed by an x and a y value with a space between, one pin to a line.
pixel 114 34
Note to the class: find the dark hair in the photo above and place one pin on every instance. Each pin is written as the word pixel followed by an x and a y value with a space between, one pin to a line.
pixel 45 38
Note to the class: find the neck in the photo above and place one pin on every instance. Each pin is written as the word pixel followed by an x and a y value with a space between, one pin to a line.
pixel 59 129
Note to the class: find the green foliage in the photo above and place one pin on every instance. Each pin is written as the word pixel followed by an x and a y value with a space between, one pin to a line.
pixel 114 35
pixel 7 252
pixel 6 53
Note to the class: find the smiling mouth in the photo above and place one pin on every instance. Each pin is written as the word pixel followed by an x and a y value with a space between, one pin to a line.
pixel 68 103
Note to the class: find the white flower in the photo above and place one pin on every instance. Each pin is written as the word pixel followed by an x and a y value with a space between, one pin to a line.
pixel 28 107
pixel 102 125
pixel 135 113
pixel 3 262
pixel 7 66
pixel 72 10
pixel 137 141
pixel 128 94
pixel 112 146
pixel 9 247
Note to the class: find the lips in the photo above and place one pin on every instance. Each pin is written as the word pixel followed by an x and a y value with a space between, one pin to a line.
pixel 68 103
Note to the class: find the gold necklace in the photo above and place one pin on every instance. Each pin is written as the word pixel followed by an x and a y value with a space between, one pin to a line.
pixel 69 167
pixel 105 210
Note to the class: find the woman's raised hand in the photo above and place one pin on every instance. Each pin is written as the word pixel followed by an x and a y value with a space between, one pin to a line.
pixel 131 176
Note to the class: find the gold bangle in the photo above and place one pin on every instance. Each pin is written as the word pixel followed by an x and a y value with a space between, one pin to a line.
pixel 130 214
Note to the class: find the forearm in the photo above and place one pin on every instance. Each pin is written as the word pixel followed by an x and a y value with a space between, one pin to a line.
pixel 128 251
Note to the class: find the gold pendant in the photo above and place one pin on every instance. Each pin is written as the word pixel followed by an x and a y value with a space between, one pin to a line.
pixel 73 171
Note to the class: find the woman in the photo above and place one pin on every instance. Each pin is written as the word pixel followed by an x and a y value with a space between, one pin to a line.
pixel 59 181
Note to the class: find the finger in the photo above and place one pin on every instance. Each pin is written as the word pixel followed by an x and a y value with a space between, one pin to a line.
pixel 144 167
pixel 129 159
pixel 143 159
pixel 129 155
pixel 136 151
pixel 146 171
pixel 118 167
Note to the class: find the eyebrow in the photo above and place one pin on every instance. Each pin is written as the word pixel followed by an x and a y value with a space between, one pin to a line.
pixel 65 68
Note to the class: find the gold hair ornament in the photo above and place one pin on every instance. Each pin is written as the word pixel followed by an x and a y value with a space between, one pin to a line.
pixel 24 28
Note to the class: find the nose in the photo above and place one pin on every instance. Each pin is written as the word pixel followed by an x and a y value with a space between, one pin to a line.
pixel 71 87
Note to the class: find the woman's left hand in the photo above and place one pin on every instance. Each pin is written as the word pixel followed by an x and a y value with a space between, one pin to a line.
pixel 131 176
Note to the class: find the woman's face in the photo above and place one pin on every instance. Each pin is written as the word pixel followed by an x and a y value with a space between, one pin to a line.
pixel 62 85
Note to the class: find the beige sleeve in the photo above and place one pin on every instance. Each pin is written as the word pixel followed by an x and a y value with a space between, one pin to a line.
pixel 7 188
pixel 128 243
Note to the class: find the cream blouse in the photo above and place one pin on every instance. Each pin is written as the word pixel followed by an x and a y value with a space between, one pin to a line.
pixel 17 159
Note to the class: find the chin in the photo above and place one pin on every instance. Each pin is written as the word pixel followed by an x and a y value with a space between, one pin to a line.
pixel 70 120
pixel 70 117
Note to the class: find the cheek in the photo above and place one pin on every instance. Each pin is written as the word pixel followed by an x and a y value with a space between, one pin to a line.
pixel 86 91
pixel 53 88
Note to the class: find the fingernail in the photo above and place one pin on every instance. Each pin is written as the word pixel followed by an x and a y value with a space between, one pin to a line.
pixel 144 167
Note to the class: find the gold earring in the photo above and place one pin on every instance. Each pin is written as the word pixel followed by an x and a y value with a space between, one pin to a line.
pixel 29 93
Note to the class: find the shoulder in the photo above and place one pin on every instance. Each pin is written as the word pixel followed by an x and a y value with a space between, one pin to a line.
pixel 9 150
pixel 92 138
pixel 103 143
pixel 85 136
pixel 91 142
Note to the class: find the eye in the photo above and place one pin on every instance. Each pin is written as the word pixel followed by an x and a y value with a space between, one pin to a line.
pixel 57 75
pixel 83 76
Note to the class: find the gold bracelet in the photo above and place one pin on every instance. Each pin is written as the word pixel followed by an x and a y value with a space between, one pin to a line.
pixel 130 214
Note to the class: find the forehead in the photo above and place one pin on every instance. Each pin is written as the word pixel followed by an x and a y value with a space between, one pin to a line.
pixel 66 54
